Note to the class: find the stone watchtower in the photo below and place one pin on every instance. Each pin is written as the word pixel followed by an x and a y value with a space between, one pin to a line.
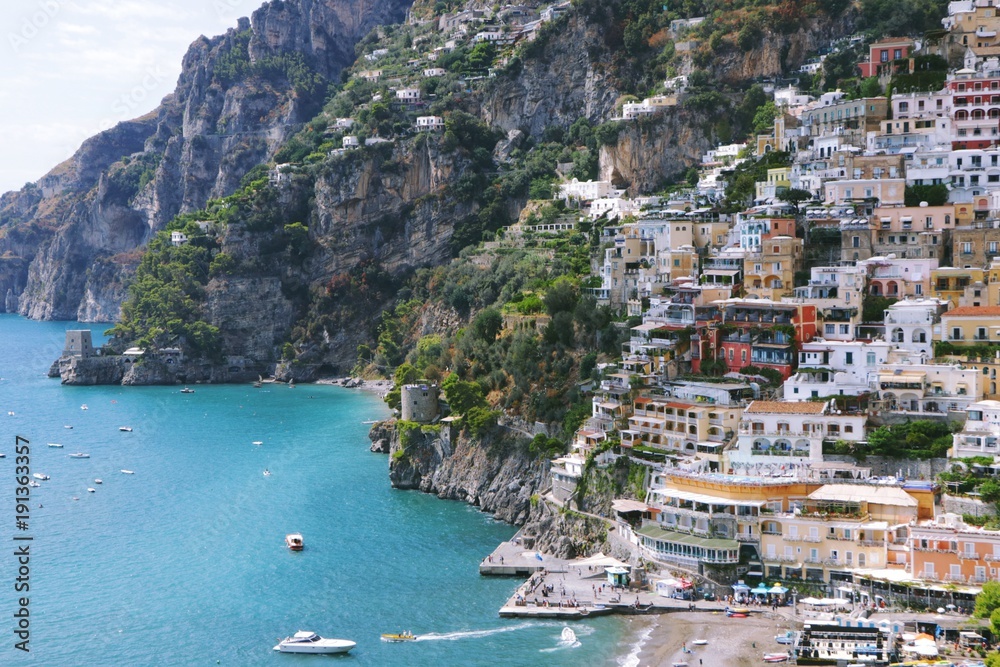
pixel 78 344
pixel 419 402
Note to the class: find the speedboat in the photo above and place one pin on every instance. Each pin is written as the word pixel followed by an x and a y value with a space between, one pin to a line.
pixel 54 444
pixel 775 657
pixel 267 473
pixel 310 642
pixel 33 483
pixel 41 476
pixel 67 426
pixel 567 635
pixel 404 636
pixel 294 541
pixel 258 442
pixel 79 455
pixel 84 407
pixel 187 390
pixel 91 489
pixel 127 429
pixel 2 455
pixel 128 472
pixel 98 481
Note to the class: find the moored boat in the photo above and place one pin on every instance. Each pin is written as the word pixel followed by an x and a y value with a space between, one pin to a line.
pixel 405 636
pixel 41 476
pixel 187 390
pixel 33 483
pixel 54 444
pixel 79 455
pixel 294 541
pixel 128 472
pixel 699 642
pixel 91 489
pixel 737 612
pixel 775 657
pixel 310 642
pixel 126 429
pixel 98 481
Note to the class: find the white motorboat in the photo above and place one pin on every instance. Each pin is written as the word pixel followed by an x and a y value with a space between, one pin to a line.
pixel 187 390
pixel 91 489
pixel 258 442
pixel 267 473
pixel 33 483
pixel 67 426
pixel 98 481
pixel 567 636
pixel 84 407
pixel 2 455
pixel 128 472
pixel 294 541
pixel 699 642
pixel 310 642
pixel 126 429
pixel 41 476
pixel 54 444
pixel 79 455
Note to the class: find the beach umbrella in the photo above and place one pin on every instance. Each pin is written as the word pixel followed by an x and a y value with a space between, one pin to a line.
pixel 950 606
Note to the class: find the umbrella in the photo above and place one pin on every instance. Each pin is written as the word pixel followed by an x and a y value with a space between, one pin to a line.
pixel 778 590
pixel 950 606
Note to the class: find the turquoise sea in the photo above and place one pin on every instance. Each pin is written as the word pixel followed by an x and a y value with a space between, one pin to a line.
pixel 184 562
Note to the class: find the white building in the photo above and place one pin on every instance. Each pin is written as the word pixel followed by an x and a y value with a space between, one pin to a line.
pixel 928 389
pixel 351 141
pixel 791 97
pixel 844 368
pixel 178 238
pixel 776 435
pixel 408 95
pixel 343 123
pixel 981 434
pixel 586 190
pixel 909 324
pixel 430 123
pixel 434 71
pixel 884 191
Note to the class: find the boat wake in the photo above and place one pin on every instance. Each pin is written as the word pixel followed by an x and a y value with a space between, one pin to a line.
pixel 632 659
pixel 567 639
pixel 471 634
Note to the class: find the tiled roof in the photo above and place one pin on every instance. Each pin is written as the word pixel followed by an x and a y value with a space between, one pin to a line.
pixel 786 408
pixel 974 311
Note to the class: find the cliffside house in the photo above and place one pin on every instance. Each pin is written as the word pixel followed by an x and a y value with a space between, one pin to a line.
pixel 430 123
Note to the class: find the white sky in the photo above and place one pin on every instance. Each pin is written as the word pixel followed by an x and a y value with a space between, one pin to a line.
pixel 70 68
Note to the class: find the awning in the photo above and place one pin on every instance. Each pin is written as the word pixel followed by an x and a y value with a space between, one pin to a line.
pixel 778 590
pixel 740 588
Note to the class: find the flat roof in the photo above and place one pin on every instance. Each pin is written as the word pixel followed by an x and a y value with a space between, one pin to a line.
pixel 881 495
pixel 682 538
pixel 704 498
pixel 786 408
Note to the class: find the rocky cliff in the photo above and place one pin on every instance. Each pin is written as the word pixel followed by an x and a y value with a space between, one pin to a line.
pixel 61 238
pixel 495 474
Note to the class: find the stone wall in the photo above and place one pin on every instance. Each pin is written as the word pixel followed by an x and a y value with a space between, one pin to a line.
pixel 883 466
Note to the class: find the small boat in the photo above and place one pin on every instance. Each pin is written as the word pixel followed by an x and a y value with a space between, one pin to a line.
pixel 699 642
pixel 679 663
pixel 84 407
pixel 79 455
pixel 10 413
pixel 98 481
pixel 775 657
pixel 368 421
pixel 128 472
pixel 187 390
pixel 2 455
pixel 41 476
pixel 126 429
pixel 310 642
pixel 785 638
pixel 737 612
pixel 67 426
pixel 267 473
pixel 567 636
pixel 91 489
pixel 54 444
pixel 33 483
pixel 294 541
pixel 405 636
pixel 258 442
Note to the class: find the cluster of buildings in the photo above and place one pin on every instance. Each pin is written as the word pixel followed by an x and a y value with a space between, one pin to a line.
pixel 755 361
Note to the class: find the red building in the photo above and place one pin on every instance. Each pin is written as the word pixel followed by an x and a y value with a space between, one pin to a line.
pixel 975 110
pixel 764 333
pixel 884 52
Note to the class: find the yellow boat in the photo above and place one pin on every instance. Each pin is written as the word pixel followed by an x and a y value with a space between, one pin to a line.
pixel 406 636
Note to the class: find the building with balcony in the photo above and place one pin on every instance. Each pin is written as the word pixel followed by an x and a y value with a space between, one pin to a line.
pixel 761 332
pixel 897 277
pixel 928 389
pixel 774 435
pixel 880 191
pixel 723 269
pixel 910 324
pixel 971 325
pixel 837 528
pixel 679 428
pixel 980 436
pixel 950 551
pixel 837 292
pixel 852 119
pixel 769 272
pixel 883 54
pixel 976 245
pixel 949 283
pixel 828 368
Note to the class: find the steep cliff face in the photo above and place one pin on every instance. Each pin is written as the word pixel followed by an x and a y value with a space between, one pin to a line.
pixel 560 84
pixel 495 474
pixel 653 150
pixel 126 183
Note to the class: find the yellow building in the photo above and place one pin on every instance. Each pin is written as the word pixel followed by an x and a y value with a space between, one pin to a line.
pixel 769 273
pixel 711 234
pixel 778 181
pixel 971 325
pixel 681 428
pixel 949 283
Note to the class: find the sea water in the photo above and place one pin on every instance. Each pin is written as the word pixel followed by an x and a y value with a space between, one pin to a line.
pixel 183 562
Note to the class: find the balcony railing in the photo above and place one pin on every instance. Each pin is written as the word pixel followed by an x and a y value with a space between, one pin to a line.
pixel 780 452
pixel 961 578
pixel 968 555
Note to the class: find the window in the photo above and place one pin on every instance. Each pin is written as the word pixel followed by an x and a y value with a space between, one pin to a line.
pixel 849 358
pixel 855 241
pixel 956 333
pixel 966 248
pixel 845 328
pixel 814 555
pixel 870 359
pixel 830 329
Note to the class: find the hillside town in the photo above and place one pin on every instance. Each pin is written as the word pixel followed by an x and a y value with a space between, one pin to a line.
pixel 811 381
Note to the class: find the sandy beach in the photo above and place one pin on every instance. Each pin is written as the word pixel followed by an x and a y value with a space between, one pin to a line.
pixel 732 642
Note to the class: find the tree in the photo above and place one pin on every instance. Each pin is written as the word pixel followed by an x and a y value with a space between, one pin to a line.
pixel 763 119
pixel 462 396
pixel 988 600
pixel 989 491
pixel 993 659
pixel 487 325
pixel 561 297
pixel 934 195
pixel 870 87
pixel 795 197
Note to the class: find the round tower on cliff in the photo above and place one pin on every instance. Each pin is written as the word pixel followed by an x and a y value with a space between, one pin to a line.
pixel 419 402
